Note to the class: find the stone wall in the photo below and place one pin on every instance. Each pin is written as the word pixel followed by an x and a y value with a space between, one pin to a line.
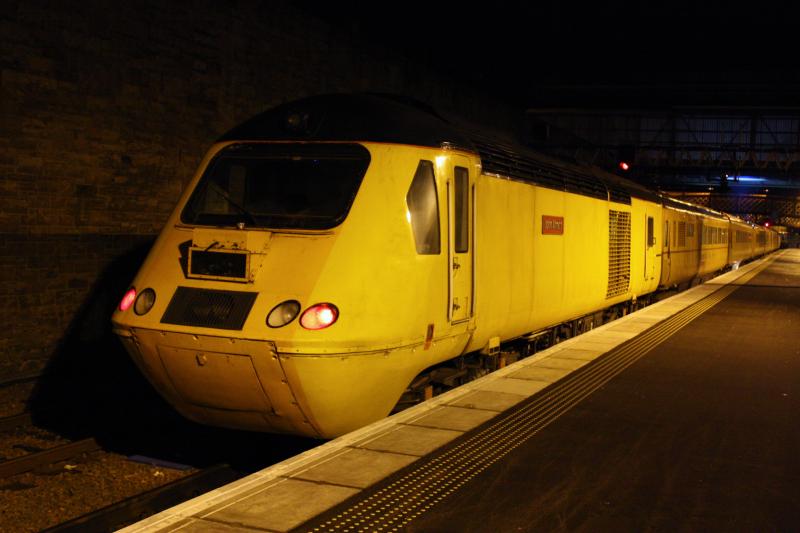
pixel 105 111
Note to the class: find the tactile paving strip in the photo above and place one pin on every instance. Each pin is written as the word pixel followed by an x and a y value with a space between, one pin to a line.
pixel 398 501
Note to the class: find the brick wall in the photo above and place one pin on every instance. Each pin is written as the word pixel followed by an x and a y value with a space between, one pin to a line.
pixel 105 111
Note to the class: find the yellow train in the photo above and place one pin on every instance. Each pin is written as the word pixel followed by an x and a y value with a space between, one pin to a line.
pixel 330 250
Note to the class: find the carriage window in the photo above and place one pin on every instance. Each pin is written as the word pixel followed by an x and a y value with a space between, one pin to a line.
pixel 651 237
pixel 423 210
pixel 462 210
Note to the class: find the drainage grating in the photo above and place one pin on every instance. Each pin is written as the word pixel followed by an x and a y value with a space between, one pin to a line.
pixel 397 501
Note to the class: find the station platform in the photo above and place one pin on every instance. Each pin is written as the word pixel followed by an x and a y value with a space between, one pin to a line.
pixel 681 416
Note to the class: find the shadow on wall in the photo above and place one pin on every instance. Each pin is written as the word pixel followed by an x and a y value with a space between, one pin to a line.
pixel 92 388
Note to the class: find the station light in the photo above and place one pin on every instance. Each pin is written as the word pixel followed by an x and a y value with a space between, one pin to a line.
pixel 626 157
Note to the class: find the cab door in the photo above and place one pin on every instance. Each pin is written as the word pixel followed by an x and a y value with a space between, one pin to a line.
pixel 461 206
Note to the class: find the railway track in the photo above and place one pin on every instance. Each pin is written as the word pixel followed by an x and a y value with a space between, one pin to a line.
pixel 43 468
pixel 147 503
pixel 55 480
pixel 8 423
pixel 39 458
pixel 56 454
pixel 119 476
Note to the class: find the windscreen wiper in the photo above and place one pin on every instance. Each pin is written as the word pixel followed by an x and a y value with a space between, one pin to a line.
pixel 253 219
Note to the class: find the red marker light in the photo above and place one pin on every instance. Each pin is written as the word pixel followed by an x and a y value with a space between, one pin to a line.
pixel 624 166
pixel 128 299
pixel 319 316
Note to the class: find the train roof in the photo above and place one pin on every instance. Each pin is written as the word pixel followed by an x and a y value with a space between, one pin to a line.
pixel 394 119
pixel 681 205
pixel 522 163
pixel 352 117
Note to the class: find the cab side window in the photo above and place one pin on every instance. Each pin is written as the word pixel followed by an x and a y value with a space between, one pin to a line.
pixel 423 210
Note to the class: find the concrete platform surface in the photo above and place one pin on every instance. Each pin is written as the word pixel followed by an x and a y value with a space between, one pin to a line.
pixel 700 434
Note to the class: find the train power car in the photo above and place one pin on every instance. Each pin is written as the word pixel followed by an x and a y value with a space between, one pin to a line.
pixel 330 250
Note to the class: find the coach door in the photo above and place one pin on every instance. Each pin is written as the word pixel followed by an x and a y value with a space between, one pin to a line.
pixel 460 201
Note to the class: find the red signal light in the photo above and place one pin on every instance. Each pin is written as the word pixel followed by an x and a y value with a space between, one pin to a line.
pixel 128 299
pixel 624 166
pixel 319 316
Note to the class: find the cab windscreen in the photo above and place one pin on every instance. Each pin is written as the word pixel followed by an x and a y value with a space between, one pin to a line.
pixel 278 186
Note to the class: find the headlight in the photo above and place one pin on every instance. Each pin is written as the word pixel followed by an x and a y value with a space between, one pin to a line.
pixel 283 313
pixel 144 302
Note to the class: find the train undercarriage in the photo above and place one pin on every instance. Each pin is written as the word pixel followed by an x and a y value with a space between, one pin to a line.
pixel 467 367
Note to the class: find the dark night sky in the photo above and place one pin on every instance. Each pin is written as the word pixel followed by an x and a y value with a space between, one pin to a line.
pixel 564 53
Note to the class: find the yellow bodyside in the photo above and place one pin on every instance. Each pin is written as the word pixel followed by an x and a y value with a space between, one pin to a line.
pixel 528 280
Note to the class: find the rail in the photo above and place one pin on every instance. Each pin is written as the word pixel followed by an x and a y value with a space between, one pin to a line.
pixel 19 465
pixel 140 506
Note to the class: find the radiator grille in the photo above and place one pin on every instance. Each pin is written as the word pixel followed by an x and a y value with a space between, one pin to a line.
pixel 209 308
pixel 619 252
pixel 681 233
